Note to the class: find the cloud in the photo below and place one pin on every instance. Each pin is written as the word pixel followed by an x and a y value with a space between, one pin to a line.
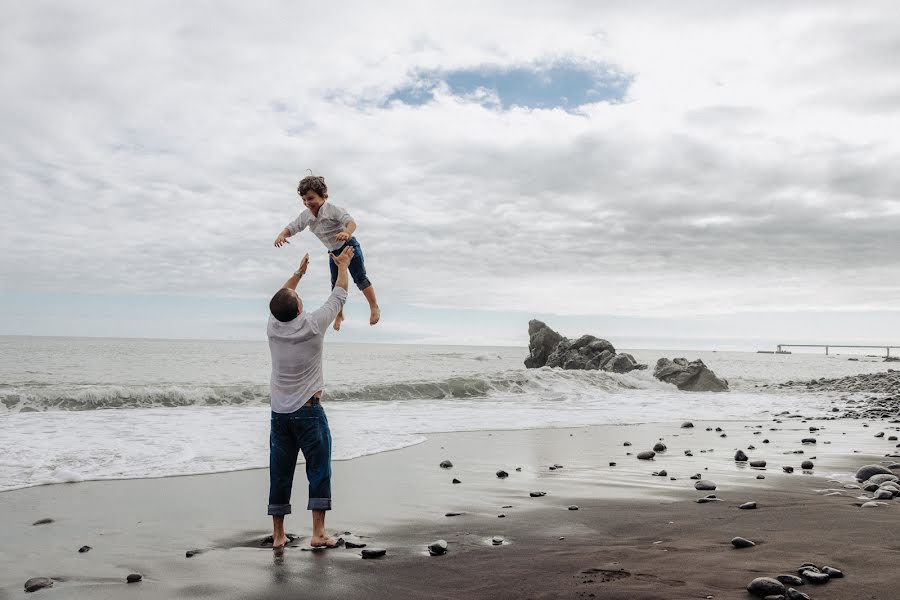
pixel 154 148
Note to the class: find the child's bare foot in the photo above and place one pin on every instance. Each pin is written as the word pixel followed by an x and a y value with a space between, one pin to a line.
pixel 338 320
pixel 279 541
pixel 323 541
pixel 375 315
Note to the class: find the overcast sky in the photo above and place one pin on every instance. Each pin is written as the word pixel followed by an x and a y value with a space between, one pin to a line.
pixel 641 171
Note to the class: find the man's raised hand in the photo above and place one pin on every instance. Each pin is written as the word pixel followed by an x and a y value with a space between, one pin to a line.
pixel 304 263
pixel 343 259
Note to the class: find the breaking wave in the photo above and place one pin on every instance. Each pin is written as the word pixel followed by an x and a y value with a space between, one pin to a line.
pixel 549 382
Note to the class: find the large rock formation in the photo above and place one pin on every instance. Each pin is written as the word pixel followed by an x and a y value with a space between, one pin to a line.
pixel 691 376
pixel 548 348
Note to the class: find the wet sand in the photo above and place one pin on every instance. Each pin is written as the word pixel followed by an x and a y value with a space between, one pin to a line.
pixel 634 535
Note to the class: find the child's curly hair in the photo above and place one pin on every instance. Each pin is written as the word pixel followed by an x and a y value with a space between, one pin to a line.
pixel 314 183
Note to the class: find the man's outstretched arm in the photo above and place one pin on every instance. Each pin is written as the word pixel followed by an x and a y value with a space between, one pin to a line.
pixel 294 279
pixel 326 314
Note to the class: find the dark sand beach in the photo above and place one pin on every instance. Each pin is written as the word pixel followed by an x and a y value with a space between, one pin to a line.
pixel 634 535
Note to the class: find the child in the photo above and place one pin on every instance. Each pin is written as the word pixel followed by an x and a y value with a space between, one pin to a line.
pixel 335 227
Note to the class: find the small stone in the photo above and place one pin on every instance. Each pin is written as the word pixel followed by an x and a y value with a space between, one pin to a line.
pixel 766 586
pixel 352 544
pixel 191 553
pixel 38 583
pixel 816 577
pixel 455 480
pixel 747 506
pixel 793 594
pixel 788 469
pixel 501 516
pixel 833 573
pixel 866 472
pixel 646 455
pixel 807 465
pixel 627 444
pixel 518 468
pixel 552 468
pixel 760 476
pixel 759 464
pixel 790 580
pixel 497 540
pixel 42 521
pixel 883 495
pixel 557 466
pixel 808 441
pixel 537 494
pixel 687 425
pixel 739 456
pixel 612 464
pixel 739 542
pixel 573 507
pixel 446 464
pixel 437 548
pixel 373 552
pixel 659 447
pixel 134 578
pixel 452 514
pixel 84 549
pixel 704 484
pixel 662 473
pixel 502 474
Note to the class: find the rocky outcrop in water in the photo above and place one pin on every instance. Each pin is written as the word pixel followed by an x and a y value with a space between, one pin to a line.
pixel 691 376
pixel 548 348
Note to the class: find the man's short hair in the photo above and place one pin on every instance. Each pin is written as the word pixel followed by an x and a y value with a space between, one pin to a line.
pixel 283 305
pixel 314 183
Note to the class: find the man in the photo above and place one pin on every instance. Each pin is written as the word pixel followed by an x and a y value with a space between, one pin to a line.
pixel 298 420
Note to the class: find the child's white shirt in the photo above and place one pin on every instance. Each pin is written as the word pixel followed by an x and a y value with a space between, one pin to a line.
pixel 331 221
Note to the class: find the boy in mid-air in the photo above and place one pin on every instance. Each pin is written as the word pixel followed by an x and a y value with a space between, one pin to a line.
pixel 334 227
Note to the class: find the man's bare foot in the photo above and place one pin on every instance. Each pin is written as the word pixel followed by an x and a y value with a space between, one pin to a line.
pixel 323 541
pixel 338 320
pixel 374 315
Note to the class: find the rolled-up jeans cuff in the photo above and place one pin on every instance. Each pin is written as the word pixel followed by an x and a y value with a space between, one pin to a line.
pixel 363 284
pixel 319 504
pixel 278 510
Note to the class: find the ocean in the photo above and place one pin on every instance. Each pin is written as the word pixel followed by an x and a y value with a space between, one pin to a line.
pixel 74 409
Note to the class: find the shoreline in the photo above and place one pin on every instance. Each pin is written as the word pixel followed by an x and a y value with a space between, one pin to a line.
pixel 397 500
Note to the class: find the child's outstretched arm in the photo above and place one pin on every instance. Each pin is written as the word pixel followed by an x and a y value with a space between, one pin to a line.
pixel 292 228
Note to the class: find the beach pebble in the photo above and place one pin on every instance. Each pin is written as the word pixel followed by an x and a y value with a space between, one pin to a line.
pixel 793 594
pixel 38 583
pixel 880 434
pixel 627 444
pixel 612 464
pixel 659 447
pixel 573 507
pixel 537 494
pixel 833 573
pixel 760 476
pixel 739 456
pixel 497 540
pixel 455 480
pixel 191 553
pixel 747 505
pixel 646 455
pixel 84 549
pixel 787 469
pixel 557 466
pixel 816 577
pixel 518 468
pixel 552 468
pixel 766 586
pixel 883 495
pixel 446 464
pixel 353 544
pixel 373 552
pixel 501 516
pixel 502 474
pixel 808 441
pixel 706 499
pixel 662 473
pixel 437 548
pixel 42 521
pixel 134 577
pixel 687 425
pixel 739 542
pixel 452 514
pixel 866 472
pixel 696 476
pixel 704 484
pixel 759 464
pixel 882 478
pixel 790 580
pixel 807 465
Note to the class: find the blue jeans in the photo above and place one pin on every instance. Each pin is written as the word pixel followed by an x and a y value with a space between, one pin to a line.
pixel 357 265
pixel 306 430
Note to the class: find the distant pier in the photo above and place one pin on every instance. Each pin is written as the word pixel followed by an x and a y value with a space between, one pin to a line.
pixel 828 347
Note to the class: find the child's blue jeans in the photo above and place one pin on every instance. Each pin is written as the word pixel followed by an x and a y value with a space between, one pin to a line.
pixel 304 430
pixel 357 265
